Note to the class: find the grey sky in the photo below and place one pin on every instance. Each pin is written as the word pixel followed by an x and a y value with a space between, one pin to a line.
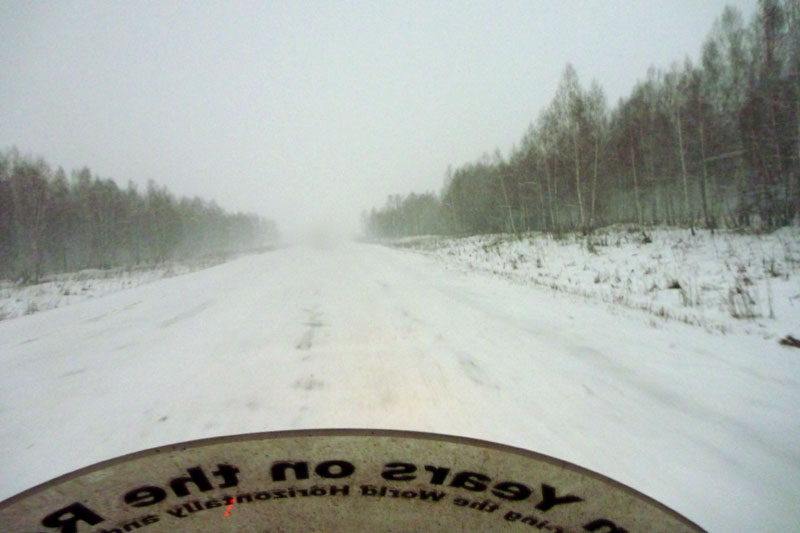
pixel 310 112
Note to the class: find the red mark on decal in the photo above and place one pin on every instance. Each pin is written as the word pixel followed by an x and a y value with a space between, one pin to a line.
pixel 229 508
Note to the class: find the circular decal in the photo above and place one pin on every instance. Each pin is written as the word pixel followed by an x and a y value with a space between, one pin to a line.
pixel 336 480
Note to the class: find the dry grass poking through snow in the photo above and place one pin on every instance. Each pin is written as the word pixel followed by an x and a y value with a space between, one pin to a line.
pixel 722 282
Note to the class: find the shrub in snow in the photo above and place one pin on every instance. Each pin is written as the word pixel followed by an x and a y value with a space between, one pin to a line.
pixel 741 301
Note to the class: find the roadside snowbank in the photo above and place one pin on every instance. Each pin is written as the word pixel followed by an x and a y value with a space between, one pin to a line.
pixel 58 290
pixel 723 281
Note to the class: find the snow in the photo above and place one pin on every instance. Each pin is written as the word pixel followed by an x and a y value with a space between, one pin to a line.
pixel 359 335
pixel 57 290
pixel 711 280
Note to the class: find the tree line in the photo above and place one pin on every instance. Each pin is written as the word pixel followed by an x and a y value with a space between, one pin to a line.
pixel 51 223
pixel 710 144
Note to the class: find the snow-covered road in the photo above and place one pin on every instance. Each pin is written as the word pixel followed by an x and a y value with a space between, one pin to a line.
pixel 357 335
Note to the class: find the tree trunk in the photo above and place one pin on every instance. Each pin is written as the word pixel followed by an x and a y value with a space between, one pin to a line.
pixel 557 221
pixel 764 210
pixel 522 207
pixel 636 189
pixel 550 200
pixel 508 204
pixel 541 200
pixel 594 182
pixel 782 176
pixel 578 180
pixel 683 171
pixel 704 181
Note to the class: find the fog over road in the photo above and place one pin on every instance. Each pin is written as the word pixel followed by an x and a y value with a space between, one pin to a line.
pixel 358 335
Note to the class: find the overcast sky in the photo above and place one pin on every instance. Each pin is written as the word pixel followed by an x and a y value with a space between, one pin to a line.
pixel 310 112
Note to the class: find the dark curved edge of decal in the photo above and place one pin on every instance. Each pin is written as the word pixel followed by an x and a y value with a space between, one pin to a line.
pixel 349 432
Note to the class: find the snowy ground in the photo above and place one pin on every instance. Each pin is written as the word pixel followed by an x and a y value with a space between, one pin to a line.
pixel 722 282
pixel 360 335
pixel 17 299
